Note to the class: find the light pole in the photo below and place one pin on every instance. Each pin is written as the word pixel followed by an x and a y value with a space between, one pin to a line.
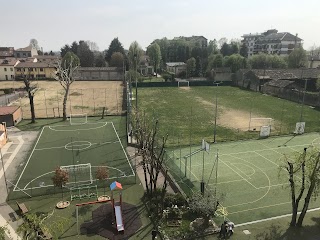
pixel 135 74
pixel 304 93
pixel 215 115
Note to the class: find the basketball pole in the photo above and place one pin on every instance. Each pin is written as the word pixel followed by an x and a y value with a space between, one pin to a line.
pixel 74 170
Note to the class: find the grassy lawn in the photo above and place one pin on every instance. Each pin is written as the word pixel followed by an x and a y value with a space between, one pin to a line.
pixel 188 113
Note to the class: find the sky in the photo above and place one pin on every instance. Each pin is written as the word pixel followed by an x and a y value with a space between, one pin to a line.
pixel 58 22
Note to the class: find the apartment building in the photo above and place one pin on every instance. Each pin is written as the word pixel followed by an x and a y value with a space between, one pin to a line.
pixel 271 42
pixel 7 68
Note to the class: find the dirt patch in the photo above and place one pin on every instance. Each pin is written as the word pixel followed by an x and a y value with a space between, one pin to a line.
pixel 84 97
pixel 185 88
pixel 232 118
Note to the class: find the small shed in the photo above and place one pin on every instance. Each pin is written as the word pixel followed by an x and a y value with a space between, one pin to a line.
pixel 11 115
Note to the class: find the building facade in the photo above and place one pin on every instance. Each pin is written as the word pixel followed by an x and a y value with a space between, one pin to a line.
pixel 271 42
pixel 176 67
pixel 34 70
pixel 7 66
pixel 25 52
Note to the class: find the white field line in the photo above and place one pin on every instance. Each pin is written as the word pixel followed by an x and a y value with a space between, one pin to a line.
pixel 11 158
pixel 73 130
pixel 125 153
pixel 79 145
pixel 272 218
pixel 234 165
pixel 10 232
pixel 25 166
pixel 239 174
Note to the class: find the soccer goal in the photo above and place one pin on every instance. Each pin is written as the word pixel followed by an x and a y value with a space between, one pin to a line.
pixel 76 119
pixel 79 173
pixel 255 124
pixel 183 84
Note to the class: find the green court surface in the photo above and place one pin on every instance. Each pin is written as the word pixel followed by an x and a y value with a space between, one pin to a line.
pixel 94 143
pixel 248 174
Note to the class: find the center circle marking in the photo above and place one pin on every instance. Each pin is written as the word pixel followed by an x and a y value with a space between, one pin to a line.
pixel 78 145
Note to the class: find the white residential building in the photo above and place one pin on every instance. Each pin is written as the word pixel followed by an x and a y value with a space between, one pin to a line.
pixel 7 68
pixel 271 42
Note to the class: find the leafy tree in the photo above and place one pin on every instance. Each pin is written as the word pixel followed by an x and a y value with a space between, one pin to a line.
pixel 235 62
pixel 244 50
pixel 63 51
pixel 100 61
pixel 117 60
pixel 74 47
pixel 3 230
pixel 234 47
pixel 307 165
pixel 85 55
pixel 277 62
pixel 259 61
pixel 297 58
pixel 205 206
pixel 164 45
pixel 115 46
pixel 60 178
pixel 134 55
pixel 212 47
pixel 198 70
pixel 191 67
pixel 225 49
pixel 64 75
pixel 218 61
pixel 154 53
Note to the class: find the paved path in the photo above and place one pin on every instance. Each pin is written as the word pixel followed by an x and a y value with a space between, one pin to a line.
pixel 13 153
pixel 136 159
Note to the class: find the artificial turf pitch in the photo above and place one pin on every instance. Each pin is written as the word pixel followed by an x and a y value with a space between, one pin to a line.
pixel 97 143
pixel 249 175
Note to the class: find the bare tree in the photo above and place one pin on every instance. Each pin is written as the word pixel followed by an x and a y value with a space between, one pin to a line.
pixel 65 76
pixel 307 164
pixel 30 90
pixel 153 153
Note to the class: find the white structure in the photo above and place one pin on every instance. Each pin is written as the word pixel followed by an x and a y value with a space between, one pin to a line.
pixel 176 67
pixel 7 68
pixel 271 42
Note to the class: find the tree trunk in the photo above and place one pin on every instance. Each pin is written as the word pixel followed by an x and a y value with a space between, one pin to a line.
pixel 306 204
pixel 145 177
pixel 65 103
pixel 33 116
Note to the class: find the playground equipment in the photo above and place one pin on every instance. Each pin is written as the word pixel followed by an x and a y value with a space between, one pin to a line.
pixel 117 206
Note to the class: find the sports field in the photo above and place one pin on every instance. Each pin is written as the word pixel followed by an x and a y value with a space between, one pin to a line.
pixel 96 143
pixel 187 114
pixel 248 174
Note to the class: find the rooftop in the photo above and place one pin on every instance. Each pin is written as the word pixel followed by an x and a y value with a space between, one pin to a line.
pixel 26 49
pixel 174 64
pixel 34 64
pixel 6 110
pixel 8 61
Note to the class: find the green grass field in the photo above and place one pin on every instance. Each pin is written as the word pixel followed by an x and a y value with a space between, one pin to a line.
pixel 248 174
pixel 62 144
pixel 188 113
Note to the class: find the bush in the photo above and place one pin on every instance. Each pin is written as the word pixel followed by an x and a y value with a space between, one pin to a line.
pixel 174 199
pixel 182 74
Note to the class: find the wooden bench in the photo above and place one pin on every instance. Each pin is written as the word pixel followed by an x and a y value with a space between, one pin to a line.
pixel 22 207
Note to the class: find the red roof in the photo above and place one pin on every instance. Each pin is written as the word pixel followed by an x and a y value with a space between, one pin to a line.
pixel 6 110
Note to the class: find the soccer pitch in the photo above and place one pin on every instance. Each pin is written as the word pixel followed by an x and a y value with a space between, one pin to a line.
pixel 248 174
pixel 94 143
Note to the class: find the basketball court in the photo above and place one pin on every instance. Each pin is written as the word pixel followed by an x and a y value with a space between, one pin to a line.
pixel 247 175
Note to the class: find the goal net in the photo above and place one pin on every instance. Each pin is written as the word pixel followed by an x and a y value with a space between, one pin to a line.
pixel 300 128
pixel 183 84
pixel 76 119
pixel 255 124
pixel 79 173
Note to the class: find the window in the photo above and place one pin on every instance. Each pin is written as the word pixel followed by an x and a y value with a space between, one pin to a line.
pixel 5 69
pixel 23 54
pixel 29 54
pixel 30 69
pixel 6 77
pixel 11 69
pixel 12 77
pixel 18 55
pixel 41 69
pixel 18 69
